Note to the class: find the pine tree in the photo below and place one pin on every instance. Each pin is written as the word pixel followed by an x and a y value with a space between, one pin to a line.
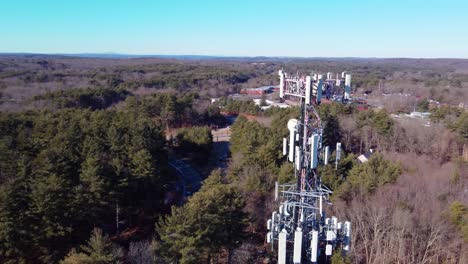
pixel 211 220
pixel 141 164
pixel 365 178
pixel 99 250
pixel 168 113
pixel 50 207
pixel 331 131
pixel 16 233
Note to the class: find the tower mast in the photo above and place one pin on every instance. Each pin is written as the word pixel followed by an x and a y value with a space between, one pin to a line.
pixel 300 228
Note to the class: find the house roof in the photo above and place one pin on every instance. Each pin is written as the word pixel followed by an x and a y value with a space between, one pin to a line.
pixel 365 156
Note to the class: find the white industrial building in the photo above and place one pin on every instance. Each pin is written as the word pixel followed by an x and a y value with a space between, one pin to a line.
pixel 269 104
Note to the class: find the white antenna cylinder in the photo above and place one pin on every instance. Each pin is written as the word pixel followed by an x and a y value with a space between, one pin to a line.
pixel 347 225
pixel 348 80
pixel 314 246
pixel 291 145
pixel 276 191
pixel 347 94
pixel 298 158
pixel 308 90
pixel 327 155
pixel 281 74
pixel 328 250
pixel 338 151
pixel 320 205
pixel 282 247
pixel 292 131
pixel 297 254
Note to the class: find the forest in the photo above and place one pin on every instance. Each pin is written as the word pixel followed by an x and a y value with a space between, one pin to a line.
pixel 86 148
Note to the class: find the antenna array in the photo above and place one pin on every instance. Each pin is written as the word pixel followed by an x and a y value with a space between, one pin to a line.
pixel 300 228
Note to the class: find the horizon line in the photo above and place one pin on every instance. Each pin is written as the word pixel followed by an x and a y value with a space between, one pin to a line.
pixel 116 55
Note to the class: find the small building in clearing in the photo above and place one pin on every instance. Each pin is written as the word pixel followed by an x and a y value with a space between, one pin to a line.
pixel 257 91
pixel 363 158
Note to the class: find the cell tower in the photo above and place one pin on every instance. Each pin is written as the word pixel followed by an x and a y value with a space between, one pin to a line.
pixel 300 230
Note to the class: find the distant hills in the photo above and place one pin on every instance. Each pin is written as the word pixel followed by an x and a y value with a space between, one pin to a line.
pixel 273 59
pixel 111 55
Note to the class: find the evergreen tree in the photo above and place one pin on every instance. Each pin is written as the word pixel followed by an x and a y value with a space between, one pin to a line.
pixel 339 258
pixel 212 219
pixel 331 131
pixel 141 164
pixel 168 113
pixel 99 250
pixel 334 178
pixel 65 172
pixel 365 178
pixel 286 173
pixel 16 224
pixel 53 219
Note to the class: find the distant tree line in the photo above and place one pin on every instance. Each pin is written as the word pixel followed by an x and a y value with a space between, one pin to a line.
pixel 93 98
pixel 177 110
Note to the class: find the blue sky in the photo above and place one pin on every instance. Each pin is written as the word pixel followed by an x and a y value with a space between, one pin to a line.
pixel 309 28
